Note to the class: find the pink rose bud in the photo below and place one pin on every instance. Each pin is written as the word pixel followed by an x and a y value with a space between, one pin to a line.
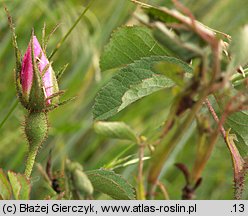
pixel 37 78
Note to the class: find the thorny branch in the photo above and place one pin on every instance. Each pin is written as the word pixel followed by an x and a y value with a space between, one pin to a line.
pixel 239 165
pixel 216 118
pixel 204 85
pixel 208 36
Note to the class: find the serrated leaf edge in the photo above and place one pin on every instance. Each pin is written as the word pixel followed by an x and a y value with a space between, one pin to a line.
pixel 96 174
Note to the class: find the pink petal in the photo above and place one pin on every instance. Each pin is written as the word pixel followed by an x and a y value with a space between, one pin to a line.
pixel 27 72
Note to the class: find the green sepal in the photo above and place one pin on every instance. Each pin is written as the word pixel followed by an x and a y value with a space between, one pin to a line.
pixel 23 100
pixel 45 69
pixel 54 106
pixel 14 42
pixel 37 93
pixel 16 49
pixel 18 57
pixel 56 92
pixel 54 98
pixel 43 37
pixel 61 72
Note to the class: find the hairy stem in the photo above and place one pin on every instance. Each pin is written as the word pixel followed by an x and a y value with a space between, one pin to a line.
pixel 30 161
pixel 237 160
pixel 216 118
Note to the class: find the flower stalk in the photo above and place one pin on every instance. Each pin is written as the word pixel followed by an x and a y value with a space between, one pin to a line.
pixel 37 88
pixel 38 92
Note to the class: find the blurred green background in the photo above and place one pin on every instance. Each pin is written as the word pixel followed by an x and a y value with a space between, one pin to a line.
pixel 71 133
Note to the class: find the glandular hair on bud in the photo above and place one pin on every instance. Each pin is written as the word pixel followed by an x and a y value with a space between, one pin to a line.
pixel 36 129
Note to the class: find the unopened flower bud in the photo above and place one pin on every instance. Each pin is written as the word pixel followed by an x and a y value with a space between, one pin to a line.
pixel 37 78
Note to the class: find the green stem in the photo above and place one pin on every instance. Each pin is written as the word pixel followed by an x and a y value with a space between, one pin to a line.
pixel 70 30
pixel 30 161
pixel 140 186
pixel 164 149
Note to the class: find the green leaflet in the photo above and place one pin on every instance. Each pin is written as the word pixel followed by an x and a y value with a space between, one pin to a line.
pixel 118 130
pixel 129 44
pixel 172 71
pixel 111 184
pixel 239 49
pixel 131 83
pixel 5 188
pixel 238 122
pixel 20 185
